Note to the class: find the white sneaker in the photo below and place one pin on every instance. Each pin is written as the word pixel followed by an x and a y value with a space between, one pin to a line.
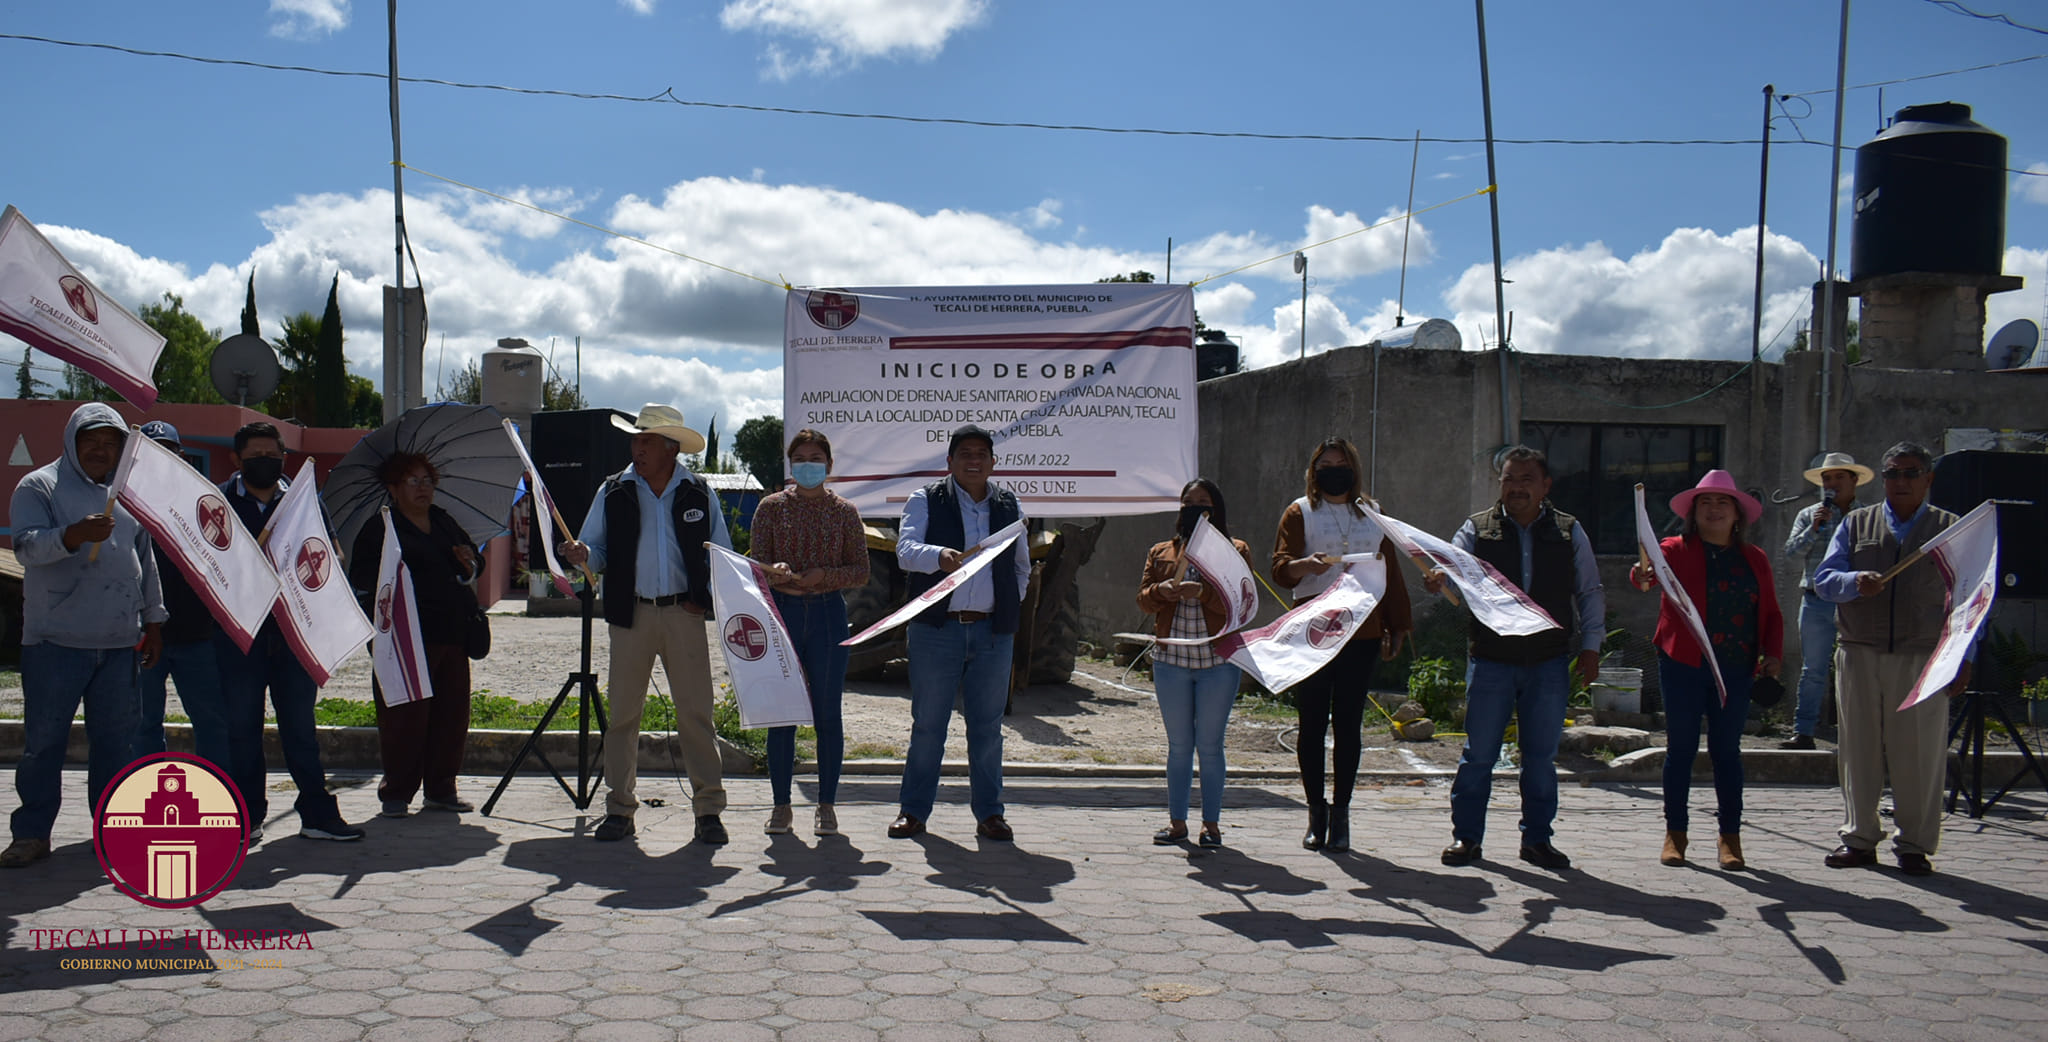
pixel 780 819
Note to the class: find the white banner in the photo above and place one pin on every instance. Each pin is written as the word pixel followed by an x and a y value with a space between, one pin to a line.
pixel 767 677
pixel 51 307
pixel 543 510
pixel 321 619
pixel 1292 647
pixel 984 554
pixel 1967 553
pixel 1214 560
pixel 193 523
pixel 397 655
pixel 1089 390
pixel 1498 604
pixel 1653 550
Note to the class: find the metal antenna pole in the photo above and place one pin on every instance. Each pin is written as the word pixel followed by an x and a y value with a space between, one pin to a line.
pixel 1827 292
pixel 397 380
pixel 1500 306
pixel 1763 190
pixel 1407 219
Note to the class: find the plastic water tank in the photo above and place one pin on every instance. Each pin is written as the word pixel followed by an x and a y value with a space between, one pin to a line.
pixel 1930 196
pixel 513 377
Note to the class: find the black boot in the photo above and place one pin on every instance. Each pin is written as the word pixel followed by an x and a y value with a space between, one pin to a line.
pixel 1340 830
pixel 1318 826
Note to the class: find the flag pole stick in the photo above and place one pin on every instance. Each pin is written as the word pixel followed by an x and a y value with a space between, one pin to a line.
pixel 1429 568
pixel 1894 570
pixel 1642 558
pixel 94 554
pixel 561 525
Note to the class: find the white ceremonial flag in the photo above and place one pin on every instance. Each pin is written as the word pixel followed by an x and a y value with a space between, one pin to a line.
pixel 1967 553
pixel 1213 559
pixel 1292 647
pixel 983 555
pixel 397 655
pixel 543 510
pixel 193 523
pixel 1088 390
pixel 1653 551
pixel 767 678
pixel 51 307
pixel 320 618
pixel 1498 604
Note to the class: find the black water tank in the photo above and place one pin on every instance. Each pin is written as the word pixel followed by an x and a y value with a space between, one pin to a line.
pixel 1930 196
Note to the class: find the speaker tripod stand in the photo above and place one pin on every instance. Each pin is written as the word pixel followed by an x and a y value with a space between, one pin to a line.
pixel 584 683
pixel 1966 777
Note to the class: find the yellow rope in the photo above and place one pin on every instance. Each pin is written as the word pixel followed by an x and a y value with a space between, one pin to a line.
pixel 1346 235
pixel 593 227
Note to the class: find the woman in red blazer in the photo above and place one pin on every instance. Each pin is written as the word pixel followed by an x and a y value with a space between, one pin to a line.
pixel 1728 582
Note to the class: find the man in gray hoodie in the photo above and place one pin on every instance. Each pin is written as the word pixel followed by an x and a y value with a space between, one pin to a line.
pixel 89 622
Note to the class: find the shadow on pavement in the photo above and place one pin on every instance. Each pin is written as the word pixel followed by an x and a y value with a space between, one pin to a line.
pixel 1007 869
pixel 391 846
pixel 835 865
pixel 1574 888
pixel 1398 886
pixel 1791 895
pixel 678 879
pixel 1019 926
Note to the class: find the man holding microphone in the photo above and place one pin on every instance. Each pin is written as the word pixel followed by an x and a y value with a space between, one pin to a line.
pixel 1839 475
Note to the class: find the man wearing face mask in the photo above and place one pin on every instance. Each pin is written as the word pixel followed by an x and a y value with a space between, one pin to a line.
pixel 254 493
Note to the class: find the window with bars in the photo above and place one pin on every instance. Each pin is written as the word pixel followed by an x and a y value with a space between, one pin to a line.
pixel 1594 468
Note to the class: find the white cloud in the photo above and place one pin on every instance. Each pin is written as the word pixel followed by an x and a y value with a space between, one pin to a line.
pixel 2027 302
pixel 642 7
pixel 841 34
pixel 2032 189
pixel 1045 215
pixel 307 19
pixel 1689 297
pixel 1359 254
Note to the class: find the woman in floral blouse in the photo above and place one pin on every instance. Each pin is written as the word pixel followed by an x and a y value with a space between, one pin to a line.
pixel 813 545
pixel 1728 581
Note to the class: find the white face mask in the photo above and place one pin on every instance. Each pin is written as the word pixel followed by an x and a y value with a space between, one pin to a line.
pixel 809 475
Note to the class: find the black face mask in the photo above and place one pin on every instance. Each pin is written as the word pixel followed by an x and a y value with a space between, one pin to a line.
pixel 1335 481
pixel 1185 523
pixel 261 472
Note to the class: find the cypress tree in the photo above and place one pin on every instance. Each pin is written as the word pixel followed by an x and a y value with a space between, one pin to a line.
pixel 249 324
pixel 330 371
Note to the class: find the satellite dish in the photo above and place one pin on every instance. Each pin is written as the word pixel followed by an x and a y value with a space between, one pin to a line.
pixel 1300 262
pixel 244 369
pixel 2012 347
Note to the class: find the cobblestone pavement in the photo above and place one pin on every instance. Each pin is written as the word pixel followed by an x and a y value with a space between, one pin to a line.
pixel 520 927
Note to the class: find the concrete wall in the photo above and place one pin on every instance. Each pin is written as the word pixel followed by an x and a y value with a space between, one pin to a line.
pixel 1439 424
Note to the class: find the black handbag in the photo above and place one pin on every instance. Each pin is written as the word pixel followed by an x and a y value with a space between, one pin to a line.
pixel 476 637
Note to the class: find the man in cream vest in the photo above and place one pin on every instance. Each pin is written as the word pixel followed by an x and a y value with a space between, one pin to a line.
pixel 1888 630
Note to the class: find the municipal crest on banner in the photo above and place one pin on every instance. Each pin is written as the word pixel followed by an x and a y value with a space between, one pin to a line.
pixel 79 296
pixel 214 522
pixel 314 563
pixel 832 309
pixel 747 638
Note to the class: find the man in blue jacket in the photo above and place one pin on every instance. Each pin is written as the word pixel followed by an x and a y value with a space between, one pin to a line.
pixel 84 612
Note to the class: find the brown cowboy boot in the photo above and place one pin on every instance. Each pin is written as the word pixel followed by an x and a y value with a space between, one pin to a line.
pixel 1674 848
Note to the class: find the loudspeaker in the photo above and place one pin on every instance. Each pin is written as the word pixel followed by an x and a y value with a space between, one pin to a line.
pixel 2019 481
pixel 575 450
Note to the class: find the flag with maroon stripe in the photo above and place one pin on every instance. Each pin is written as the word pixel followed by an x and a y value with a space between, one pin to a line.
pixel 1967 554
pixel 197 529
pixel 396 652
pixel 318 613
pixel 53 308
pixel 1292 647
pixel 767 679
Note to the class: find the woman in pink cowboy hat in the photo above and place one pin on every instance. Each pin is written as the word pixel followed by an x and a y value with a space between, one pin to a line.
pixel 1729 582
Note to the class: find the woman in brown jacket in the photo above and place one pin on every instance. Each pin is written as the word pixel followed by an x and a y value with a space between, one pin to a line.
pixel 1316 532
pixel 1196 687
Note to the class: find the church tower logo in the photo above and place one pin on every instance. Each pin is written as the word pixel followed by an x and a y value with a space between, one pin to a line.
pixel 170 831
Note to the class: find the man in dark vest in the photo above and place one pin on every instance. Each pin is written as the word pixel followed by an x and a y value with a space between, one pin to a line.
pixel 646 532
pixel 1546 554
pixel 1887 631
pixel 960 646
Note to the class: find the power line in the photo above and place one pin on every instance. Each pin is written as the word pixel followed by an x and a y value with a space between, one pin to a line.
pixel 1952 5
pixel 1925 76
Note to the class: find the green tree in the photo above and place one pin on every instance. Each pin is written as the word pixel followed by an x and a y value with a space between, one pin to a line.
pixel 297 348
pixel 249 324
pixel 365 403
pixel 759 447
pixel 1853 343
pixel 557 394
pixel 330 365
pixel 81 387
pixel 711 447
pixel 467 385
pixel 183 369
pixel 1141 275
pixel 27 385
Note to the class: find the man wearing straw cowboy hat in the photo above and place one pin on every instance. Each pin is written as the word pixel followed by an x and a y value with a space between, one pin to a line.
pixel 646 531
pixel 1889 625
pixel 1839 476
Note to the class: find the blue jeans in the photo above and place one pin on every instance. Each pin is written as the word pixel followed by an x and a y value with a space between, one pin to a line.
pixel 1816 657
pixel 817 623
pixel 1689 696
pixel 196 670
pixel 54 680
pixel 271 665
pixel 971 660
pixel 1536 696
pixel 1195 705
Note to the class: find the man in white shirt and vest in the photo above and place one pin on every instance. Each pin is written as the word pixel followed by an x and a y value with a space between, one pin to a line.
pixel 961 646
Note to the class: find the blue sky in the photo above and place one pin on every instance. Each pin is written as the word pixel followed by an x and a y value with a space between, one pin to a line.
pixel 161 174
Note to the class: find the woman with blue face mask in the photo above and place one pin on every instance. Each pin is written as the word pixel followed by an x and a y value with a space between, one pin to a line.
pixel 813 547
